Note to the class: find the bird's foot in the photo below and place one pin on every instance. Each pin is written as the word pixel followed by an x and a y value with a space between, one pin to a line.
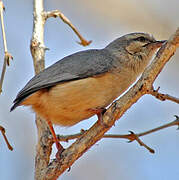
pixel 56 141
pixel 99 112
pixel 60 150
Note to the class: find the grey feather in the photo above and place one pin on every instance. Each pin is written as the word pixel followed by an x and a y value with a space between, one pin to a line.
pixel 76 66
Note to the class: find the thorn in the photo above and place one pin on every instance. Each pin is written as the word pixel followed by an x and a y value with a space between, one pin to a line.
pixel 82 131
pixel 131 132
pixel 129 141
pixel 177 120
pixel 69 169
pixel 46 49
pixel 157 89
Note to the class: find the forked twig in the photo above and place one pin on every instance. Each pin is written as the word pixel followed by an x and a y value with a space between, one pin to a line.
pixel 57 13
pixel 131 137
pixel 163 97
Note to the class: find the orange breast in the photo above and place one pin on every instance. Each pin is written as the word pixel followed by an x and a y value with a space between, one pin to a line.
pixel 68 103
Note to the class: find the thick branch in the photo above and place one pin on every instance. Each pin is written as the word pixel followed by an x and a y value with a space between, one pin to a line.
pixel 57 13
pixel 115 111
pixel 44 146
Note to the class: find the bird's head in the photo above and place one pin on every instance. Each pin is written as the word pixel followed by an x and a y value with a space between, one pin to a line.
pixel 136 43
pixel 134 49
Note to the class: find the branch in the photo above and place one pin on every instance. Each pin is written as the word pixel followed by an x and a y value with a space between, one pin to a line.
pixel 114 112
pixel 3 131
pixel 131 137
pixel 44 146
pixel 7 55
pixel 163 97
pixel 57 13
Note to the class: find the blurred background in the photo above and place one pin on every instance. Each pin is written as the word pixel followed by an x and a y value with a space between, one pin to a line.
pixel 100 21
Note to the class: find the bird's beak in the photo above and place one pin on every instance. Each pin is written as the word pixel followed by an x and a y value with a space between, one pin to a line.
pixel 159 43
pixel 155 44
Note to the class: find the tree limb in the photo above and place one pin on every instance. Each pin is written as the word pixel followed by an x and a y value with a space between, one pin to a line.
pixel 44 146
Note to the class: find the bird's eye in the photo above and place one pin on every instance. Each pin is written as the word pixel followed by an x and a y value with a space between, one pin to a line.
pixel 141 39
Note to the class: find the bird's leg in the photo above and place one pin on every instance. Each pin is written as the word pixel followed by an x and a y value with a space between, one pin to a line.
pixel 99 112
pixel 58 145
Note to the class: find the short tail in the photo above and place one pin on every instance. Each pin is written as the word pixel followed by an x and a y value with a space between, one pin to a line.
pixel 16 103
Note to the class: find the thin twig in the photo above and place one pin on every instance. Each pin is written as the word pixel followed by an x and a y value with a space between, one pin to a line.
pixel 134 136
pixel 2 26
pixel 3 131
pixel 173 123
pixel 131 137
pixel 125 136
pixel 163 97
pixel 57 13
pixel 7 55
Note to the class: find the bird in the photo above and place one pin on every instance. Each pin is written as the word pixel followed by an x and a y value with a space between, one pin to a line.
pixel 83 84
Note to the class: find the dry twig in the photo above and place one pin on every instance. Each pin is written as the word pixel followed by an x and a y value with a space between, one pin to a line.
pixel 131 137
pixel 163 97
pixel 3 131
pixel 7 55
pixel 57 13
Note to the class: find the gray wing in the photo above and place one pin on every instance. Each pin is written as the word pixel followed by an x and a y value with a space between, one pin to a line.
pixel 76 66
